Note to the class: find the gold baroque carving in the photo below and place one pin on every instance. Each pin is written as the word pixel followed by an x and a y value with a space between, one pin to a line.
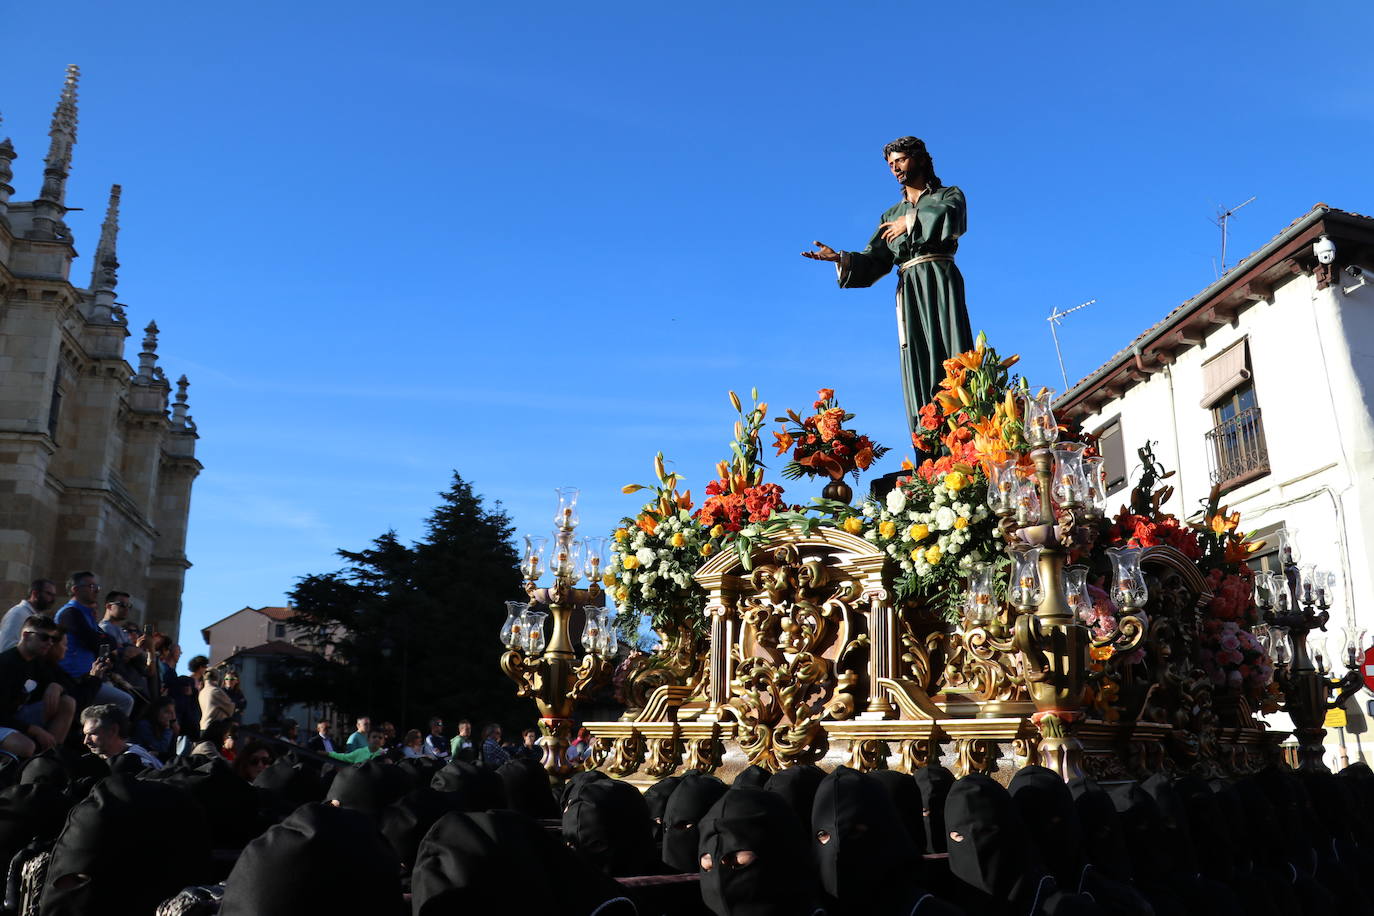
pixel 975 755
pixel 627 755
pixel 917 753
pixel 867 754
pixel 664 756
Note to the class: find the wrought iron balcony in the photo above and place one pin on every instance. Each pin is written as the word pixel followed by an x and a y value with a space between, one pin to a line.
pixel 1238 453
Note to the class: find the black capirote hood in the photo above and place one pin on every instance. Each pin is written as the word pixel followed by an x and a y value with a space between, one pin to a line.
pixel 1046 807
pixel 321 859
pixel 608 825
pixel 89 870
pixel 1104 836
pixel 656 797
pixel 527 788
pixel 490 859
pixel 858 841
pixel 476 786
pixel 906 799
pixel 682 819
pixel 774 878
pixel 751 777
pixel 797 785
pixel 405 821
pixel 989 846
pixel 934 781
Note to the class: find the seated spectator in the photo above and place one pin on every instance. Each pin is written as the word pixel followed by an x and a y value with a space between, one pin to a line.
pixel 414 745
pixel 215 703
pixel 217 740
pixel 168 654
pixel 493 754
pixel 290 731
pixel 255 758
pixel 462 747
pixel 360 755
pixel 436 745
pixel 82 690
pixel 581 748
pixel 198 665
pixel 86 642
pixel 158 730
pixel 42 596
pixel 103 730
pixel 530 750
pixel 321 742
pixel 34 712
pixel 235 693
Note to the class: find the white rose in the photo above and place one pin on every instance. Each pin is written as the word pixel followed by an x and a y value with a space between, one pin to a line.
pixel 896 500
pixel 645 556
pixel 944 518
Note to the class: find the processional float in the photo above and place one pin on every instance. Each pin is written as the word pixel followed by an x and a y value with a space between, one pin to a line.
pixel 806 644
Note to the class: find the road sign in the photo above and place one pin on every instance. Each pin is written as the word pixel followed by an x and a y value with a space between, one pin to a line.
pixel 1367 669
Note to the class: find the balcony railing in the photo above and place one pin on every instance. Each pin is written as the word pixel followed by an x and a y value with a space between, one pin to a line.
pixel 1238 453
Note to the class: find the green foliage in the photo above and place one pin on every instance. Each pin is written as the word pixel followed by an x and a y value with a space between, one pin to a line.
pixel 411 630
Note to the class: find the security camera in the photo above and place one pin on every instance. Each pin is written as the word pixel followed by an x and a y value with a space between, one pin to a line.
pixel 1325 250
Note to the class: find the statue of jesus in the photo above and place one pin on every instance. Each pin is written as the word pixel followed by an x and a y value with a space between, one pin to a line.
pixel 918 235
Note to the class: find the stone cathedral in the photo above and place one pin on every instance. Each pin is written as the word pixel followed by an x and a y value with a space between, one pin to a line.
pixel 97 457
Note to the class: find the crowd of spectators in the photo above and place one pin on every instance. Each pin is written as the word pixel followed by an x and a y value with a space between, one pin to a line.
pixel 235 819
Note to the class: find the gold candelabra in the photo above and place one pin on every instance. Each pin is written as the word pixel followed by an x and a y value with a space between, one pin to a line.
pixel 548 669
pixel 1296 601
pixel 1038 637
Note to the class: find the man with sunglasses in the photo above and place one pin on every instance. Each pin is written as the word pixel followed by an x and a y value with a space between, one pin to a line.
pixel 35 714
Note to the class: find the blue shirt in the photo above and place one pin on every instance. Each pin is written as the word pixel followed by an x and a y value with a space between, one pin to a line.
pixel 83 638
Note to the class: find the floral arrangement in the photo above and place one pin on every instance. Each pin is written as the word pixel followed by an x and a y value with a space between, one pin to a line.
pixel 738 497
pixel 974 418
pixel 654 555
pixel 935 531
pixel 1233 657
pixel 821 446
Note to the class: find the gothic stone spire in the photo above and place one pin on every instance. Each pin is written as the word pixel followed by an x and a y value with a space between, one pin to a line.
pixel 6 173
pixel 147 357
pixel 51 204
pixel 103 272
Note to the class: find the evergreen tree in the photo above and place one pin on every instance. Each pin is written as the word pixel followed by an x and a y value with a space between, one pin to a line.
pixel 409 632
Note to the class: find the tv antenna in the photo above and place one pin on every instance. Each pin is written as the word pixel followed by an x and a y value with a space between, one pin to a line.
pixel 1055 318
pixel 1222 220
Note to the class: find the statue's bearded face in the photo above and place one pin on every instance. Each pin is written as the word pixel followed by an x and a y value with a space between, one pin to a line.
pixel 903 166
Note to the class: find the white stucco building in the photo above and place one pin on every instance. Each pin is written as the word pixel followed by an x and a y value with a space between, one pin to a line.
pixel 1264 383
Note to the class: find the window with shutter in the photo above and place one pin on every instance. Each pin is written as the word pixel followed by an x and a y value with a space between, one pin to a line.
pixel 1113 451
pixel 1225 372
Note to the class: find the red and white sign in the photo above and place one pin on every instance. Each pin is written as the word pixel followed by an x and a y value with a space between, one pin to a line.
pixel 1367 669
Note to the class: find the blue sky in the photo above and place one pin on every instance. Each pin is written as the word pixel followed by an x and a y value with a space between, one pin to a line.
pixel 538 244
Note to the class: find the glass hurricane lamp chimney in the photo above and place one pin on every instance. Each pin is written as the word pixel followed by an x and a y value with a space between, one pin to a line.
pixel 1282 650
pixel 1041 429
pixel 534 632
pixel 980 598
pixel 566 517
pixel 1025 590
pixel 1307 582
pixel 1002 487
pixel 1076 591
pixel 1288 549
pixel 1095 474
pixel 1069 482
pixel 595 555
pixel 591 629
pixel 1027 502
pixel 532 565
pixel 1129 588
pixel 513 611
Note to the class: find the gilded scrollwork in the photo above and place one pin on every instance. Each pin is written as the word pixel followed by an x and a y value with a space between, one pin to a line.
pixel 627 755
pixel 975 755
pixel 705 754
pixel 664 755
pixel 917 753
pixel 867 754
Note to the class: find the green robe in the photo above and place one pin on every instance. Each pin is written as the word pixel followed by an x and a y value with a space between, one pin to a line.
pixel 932 318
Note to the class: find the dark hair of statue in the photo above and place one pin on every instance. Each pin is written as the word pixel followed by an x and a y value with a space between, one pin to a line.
pixel 917 148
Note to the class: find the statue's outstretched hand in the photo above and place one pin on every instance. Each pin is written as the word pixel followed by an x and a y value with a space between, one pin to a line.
pixel 824 253
pixel 893 230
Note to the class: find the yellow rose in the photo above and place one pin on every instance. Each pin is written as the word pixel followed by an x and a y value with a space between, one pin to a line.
pixel 960 522
pixel 622 594
pixel 916 553
pixel 717 531
pixel 621 534
pixel 955 481
pixel 678 539
pixel 918 532
pixel 630 562
pixel 707 549
pixel 853 524
pixel 887 529
pixel 608 579
pixel 933 555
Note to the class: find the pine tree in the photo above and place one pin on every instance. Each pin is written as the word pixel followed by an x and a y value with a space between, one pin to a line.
pixel 410 631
